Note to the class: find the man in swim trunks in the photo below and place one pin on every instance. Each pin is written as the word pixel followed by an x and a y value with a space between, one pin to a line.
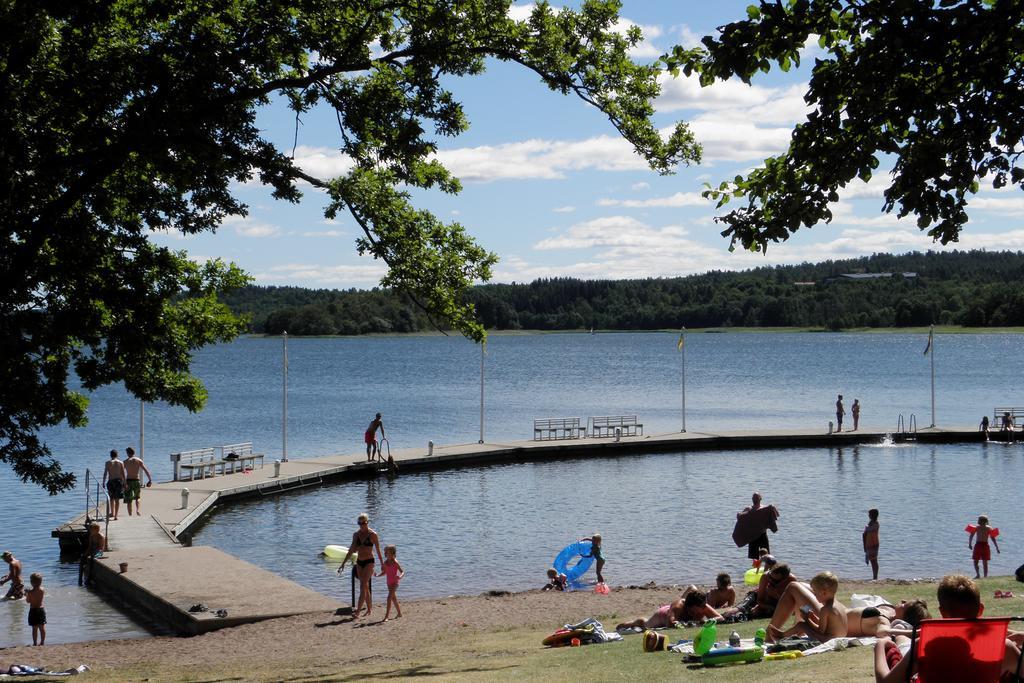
pixel 133 466
pixel 113 480
pixel 770 589
pixel 370 437
pixel 840 411
pixel 17 590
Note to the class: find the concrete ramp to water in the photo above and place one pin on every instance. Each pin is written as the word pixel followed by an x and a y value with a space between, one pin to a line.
pixel 167 581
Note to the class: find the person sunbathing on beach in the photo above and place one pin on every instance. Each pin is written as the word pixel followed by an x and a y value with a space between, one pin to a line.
pixel 959 598
pixel 723 595
pixel 818 613
pixel 770 589
pixel 880 619
pixel 692 605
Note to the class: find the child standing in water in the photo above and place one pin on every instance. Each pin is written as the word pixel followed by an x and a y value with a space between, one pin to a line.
pixel 394 572
pixel 871 543
pixel 595 552
pixel 982 552
pixel 36 613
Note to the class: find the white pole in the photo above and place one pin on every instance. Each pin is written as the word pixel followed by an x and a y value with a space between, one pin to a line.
pixel 284 400
pixel 142 429
pixel 483 346
pixel 931 336
pixel 682 364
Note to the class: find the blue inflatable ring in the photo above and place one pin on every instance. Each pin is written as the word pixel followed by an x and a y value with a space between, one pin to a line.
pixel 579 549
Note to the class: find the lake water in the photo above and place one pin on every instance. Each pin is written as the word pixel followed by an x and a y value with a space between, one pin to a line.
pixel 516 517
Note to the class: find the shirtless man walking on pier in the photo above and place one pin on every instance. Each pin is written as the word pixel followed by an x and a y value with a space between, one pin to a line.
pixel 370 437
pixel 133 482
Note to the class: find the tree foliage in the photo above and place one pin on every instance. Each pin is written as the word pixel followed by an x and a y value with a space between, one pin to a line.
pixel 934 86
pixel 974 289
pixel 123 117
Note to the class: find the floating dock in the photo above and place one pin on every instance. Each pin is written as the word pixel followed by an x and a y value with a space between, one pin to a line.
pixel 165 577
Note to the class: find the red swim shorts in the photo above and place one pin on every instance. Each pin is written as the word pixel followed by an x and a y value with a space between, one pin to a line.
pixel 982 552
pixel 368 437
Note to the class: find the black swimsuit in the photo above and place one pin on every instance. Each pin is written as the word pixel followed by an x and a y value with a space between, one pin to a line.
pixel 368 543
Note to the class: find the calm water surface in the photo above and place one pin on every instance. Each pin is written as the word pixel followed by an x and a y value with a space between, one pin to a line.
pixel 666 517
pixel 428 388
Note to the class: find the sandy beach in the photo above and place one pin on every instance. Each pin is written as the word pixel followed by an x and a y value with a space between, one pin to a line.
pixel 434 637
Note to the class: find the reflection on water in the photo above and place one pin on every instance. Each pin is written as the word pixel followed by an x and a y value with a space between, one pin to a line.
pixel 664 517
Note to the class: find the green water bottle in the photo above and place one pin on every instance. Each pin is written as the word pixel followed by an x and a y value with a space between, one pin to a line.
pixel 705 640
pixel 759 637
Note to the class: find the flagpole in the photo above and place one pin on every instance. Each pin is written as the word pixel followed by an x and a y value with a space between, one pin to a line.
pixel 483 345
pixel 284 397
pixel 682 372
pixel 931 340
pixel 142 429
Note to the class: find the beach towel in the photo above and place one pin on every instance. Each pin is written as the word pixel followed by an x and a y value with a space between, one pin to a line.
pixel 858 600
pixel 598 634
pixel 752 523
pixel 839 644
pixel 26 670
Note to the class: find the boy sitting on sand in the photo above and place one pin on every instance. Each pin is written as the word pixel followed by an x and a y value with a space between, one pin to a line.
pixel 723 595
pixel 959 598
pixel 818 613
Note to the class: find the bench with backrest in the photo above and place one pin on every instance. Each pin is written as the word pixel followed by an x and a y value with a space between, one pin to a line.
pixel 606 425
pixel 203 461
pixel 558 428
pixel 1016 418
pixel 244 457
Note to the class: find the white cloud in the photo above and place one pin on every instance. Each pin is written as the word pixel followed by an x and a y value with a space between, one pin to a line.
pixel 1010 205
pixel 675 200
pixel 365 275
pixel 639 186
pixel 564 209
pixel 540 159
pixel 245 226
pixel 608 231
pixel 322 162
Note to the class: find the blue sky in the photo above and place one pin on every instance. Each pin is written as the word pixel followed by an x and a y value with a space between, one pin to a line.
pixel 551 189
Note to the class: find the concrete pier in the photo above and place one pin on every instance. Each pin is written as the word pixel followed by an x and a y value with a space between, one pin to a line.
pixel 165 577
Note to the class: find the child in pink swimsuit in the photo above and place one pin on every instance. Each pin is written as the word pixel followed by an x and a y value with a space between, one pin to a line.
pixel 394 572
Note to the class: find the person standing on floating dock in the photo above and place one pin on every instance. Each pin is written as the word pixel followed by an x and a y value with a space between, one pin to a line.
pixel 370 437
pixel 840 411
pixel 113 480
pixel 133 482
pixel 855 412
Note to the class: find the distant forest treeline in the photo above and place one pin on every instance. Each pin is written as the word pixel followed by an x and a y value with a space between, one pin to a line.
pixel 972 288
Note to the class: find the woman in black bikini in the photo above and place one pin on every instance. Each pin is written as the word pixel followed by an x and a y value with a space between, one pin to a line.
pixel 363 543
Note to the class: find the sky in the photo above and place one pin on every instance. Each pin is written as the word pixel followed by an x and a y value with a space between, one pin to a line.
pixel 551 189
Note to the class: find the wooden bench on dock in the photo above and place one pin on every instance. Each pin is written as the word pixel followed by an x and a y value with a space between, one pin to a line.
pixel 243 458
pixel 606 425
pixel 558 428
pixel 202 460
pixel 1016 418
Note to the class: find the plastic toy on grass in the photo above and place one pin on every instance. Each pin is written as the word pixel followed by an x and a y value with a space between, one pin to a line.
pixel 732 655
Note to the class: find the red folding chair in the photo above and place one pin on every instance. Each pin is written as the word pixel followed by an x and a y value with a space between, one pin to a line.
pixel 959 650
